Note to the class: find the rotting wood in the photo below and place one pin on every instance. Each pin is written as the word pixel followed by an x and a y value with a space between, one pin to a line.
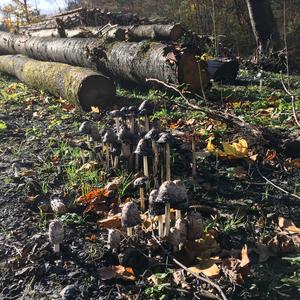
pixel 83 87
pixel 127 61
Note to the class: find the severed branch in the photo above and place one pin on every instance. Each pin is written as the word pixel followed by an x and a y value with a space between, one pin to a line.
pixel 201 278
pixel 232 120
pixel 293 100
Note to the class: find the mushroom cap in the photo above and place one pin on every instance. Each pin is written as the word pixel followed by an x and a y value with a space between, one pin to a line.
pixel 116 149
pixel 152 134
pixel 56 232
pixel 175 194
pixel 114 238
pixel 132 110
pixel 95 134
pixel 146 107
pixel 182 202
pixel 143 148
pixel 124 111
pixel 130 215
pixel 58 206
pixel 125 136
pixel 83 146
pixel 115 113
pixel 156 208
pixel 174 237
pixel 164 138
pixel 85 127
pixel 109 137
pixel 140 181
pixel 195 225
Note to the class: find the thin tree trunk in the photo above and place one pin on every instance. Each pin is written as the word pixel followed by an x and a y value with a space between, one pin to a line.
pixel 264 26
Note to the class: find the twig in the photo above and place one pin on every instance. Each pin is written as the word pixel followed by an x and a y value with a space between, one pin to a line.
pixel 227 118
pixel 293 100
pixel 275 185
pixel 14 247
pixel 201 278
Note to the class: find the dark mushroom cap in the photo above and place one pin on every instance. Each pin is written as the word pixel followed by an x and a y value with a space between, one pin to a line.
pixel 83 146
pixel 114 238
pixel 164 138
pixel 174 237
pixel 95 134
pixel 85 127
pixel 124 111
pixel 116 113
pixel 195 225
pixel 152 134
pixel 116 149
pixel 156 208
pixel 143 148
pixel 132 110
pixel 130 215
pixel 109 137
pixel 140 182
pixel 146 107
pixel 125 136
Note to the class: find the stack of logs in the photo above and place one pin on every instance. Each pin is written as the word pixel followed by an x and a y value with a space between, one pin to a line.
pixel 123 47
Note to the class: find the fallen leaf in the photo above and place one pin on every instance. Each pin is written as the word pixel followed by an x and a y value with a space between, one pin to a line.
pixel 111 222
pixel 244 257
pixel 91 238
pixel 107 273
pixel 271 155
pixel 179 279
pixel 95 109
pixel 206 267
pixel 90 166
pixel 288 225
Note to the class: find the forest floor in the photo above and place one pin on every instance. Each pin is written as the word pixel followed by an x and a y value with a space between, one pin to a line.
pixel 248 194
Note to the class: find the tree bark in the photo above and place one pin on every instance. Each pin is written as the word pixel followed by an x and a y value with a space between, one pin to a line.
pixel 127 61
pixel 264 26
pixel 83 87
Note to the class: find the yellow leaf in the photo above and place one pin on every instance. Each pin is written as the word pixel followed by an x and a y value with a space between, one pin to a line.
pixel 95 109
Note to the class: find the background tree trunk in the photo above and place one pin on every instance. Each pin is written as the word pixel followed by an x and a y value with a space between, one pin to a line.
pixel 264 26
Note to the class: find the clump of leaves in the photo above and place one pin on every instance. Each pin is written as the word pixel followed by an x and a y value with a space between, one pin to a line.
pixel 72 219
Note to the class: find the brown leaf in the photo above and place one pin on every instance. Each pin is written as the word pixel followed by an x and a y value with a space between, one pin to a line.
pixel 111 222
pixel 288 225
pixel 245 258
pixel 206 267
pixel 107 273
pixel 271 154
pixel 91 238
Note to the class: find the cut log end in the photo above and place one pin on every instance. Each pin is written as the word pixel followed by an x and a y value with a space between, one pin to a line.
pixel 193 72
pixel 96 91
pixel 176 32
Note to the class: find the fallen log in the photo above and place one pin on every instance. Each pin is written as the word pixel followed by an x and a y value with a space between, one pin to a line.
pixel 83 87
pixel 127 61
pixel 224 70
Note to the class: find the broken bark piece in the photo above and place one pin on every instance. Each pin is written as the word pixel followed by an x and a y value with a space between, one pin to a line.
pixel 83 87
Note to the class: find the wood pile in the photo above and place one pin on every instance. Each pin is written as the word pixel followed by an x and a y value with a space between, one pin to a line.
pixel 123 47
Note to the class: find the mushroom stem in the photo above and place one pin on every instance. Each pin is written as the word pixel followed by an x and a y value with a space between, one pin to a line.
pixel 82 156
pixel 155 163
pixel 130 231
pixel 142 196
pixel 167 221
pixel 168 162
pixel 107 156
pixel 117 121
pixel 56 248
pixel 137 162
pixel 131 121
pixel 178 214
pixel 146 169
pixel 147 127
pixel 193 156
pixel 162 173
pixel 160 226
pixel 116 162
pixel 89 143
